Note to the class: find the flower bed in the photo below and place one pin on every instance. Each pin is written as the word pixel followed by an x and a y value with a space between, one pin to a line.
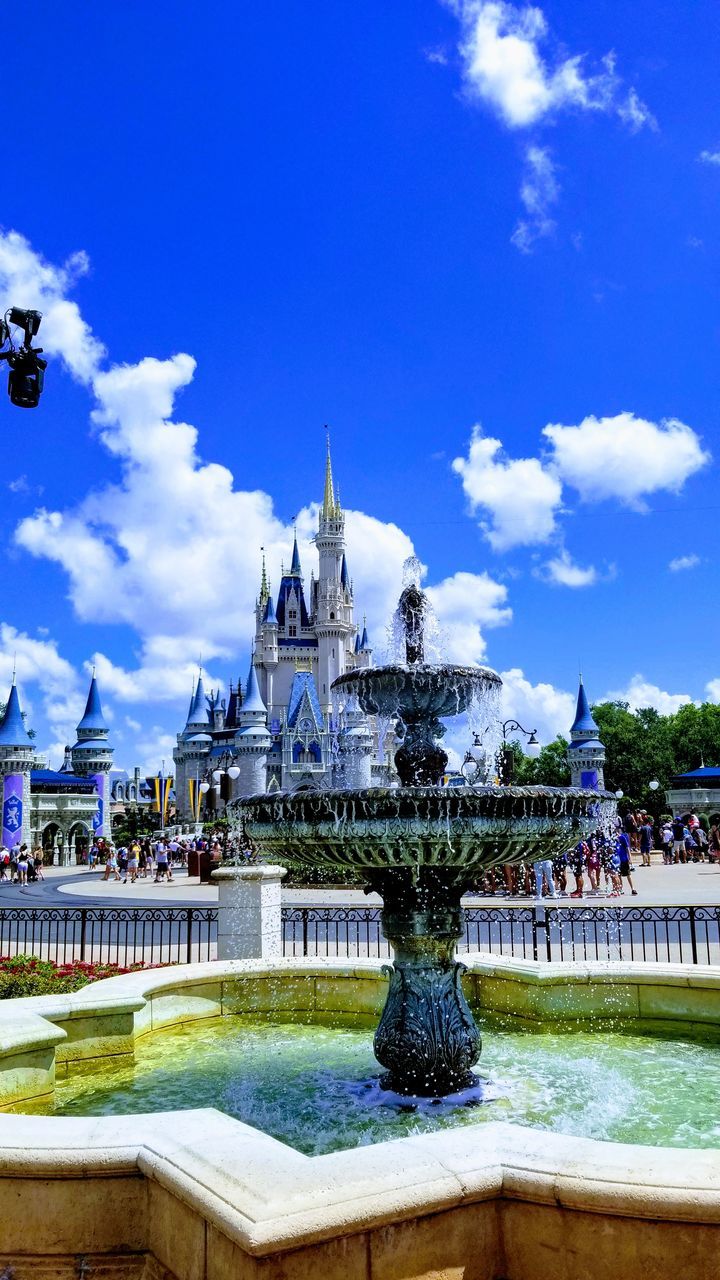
pixel 30 976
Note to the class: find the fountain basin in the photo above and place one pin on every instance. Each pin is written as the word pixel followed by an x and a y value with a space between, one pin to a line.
pixel 208 1197
pixel 422 826
pixel 420 692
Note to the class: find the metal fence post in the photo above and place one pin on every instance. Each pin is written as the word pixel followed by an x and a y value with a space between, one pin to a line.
pixel 305 930
pixel 188 926
pixel 693 936
pixel 83 931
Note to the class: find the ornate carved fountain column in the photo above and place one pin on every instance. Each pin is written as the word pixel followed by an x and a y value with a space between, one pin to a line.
pixel 427 1038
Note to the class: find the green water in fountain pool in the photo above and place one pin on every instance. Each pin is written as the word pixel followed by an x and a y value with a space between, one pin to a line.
pixel 307 1085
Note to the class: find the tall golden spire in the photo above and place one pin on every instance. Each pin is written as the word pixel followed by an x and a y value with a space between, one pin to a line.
pixel 264 589
pixel 329 508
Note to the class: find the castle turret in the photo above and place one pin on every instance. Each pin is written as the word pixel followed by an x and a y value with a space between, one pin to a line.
pixel 252 740
pixel 586 753
pixel 92 757
pixel 355 749
pixel 191 754
pixel 16 760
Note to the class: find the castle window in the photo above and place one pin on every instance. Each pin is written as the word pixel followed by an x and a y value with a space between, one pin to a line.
pixel 292 631
pixel 292 613
pixel 332 617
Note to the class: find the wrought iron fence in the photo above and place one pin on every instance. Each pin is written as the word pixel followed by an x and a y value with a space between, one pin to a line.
pixel 684 934
pixel 110 935
pixel 181 935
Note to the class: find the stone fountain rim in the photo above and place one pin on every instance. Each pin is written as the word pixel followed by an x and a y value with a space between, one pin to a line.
pixel 366 675
pixel 270 1198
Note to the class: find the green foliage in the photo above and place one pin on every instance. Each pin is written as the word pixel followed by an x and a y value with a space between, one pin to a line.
pixel 135 824
pixel 641 746
pixel 30 976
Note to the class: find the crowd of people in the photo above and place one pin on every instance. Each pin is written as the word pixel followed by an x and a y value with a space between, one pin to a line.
pixel 603 864
pixel 21 865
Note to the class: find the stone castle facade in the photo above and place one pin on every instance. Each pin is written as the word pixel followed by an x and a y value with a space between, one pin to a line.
pixel 282 731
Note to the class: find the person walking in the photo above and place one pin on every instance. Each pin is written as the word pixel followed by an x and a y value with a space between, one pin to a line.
pixel 543 869
pixel 622 847
pixel 38 858
pixel 678 832
pixel 647 841
pixel 22 865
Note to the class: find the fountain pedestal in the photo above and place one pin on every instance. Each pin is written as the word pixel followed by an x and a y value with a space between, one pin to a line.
pixel 427 1037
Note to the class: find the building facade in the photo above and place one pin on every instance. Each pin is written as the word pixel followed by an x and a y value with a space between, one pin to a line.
pixel 61 810
pixel 283 730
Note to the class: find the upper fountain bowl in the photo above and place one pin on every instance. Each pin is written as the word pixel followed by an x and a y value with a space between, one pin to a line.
pixel 417 693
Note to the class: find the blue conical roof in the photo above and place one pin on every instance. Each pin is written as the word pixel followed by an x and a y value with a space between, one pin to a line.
pixel 357 642
pixel 253 699
pixel 364 642
pixel 12 726
pixel 93 718
pixel 270 615
pixel 199 713
pixel 295 570
pixel 344 576
pixel 583 722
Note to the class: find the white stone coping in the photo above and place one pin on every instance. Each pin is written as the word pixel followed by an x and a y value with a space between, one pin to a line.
pixel 269 1198
pixel 261 871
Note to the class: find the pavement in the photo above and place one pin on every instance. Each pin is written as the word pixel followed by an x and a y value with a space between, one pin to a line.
pixel 657 885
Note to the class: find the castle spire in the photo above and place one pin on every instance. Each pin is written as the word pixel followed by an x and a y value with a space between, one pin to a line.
pixel 264 588
pixel 295 570
pixel 328 506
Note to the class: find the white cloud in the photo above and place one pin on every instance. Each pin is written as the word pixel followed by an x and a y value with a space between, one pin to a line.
pixel 709 157
pixel 27 280
pixel 640 693
pixel 40 666
pixel 542 707
pixel 179 542
pixel 680 563
pixel 522 497
pixel 505 67
pixel 562 571
pixel 539 192
pixel 712 689
pixel 154 751
pixel 466 604
pixel 625 457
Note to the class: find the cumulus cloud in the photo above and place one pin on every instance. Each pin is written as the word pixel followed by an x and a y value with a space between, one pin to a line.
pixel 542 707
pixel 539 192
pixel 680 563
pixel 466 605
pixel 709 157
pixel 640 693
pixel 562 571
pixel 622 458
pixel 712 689
pixel 27 280
pixel 41 670
pixel 521 496
pixel 507 68
pixel 625 457
pixel 177 538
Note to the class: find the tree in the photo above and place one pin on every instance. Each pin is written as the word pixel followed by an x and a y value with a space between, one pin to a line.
pixel 548 769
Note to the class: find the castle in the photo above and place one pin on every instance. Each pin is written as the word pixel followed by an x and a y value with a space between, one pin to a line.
pixel 282 731
pixel 60 809
pixel 586 753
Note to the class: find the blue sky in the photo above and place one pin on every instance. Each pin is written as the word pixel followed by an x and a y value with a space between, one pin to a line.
pixel 408 220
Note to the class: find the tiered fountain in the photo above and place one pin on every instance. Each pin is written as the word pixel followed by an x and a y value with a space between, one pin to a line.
pixel 419 846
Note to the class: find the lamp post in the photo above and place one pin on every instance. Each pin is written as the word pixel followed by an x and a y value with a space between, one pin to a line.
pixel 473 765
pixel 217 781
pixel 505 760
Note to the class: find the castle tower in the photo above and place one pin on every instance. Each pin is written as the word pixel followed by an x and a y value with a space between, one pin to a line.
pixel 92 757
pixel 355 749
pixel 252 741
pixel 16 760
pixel 586 753
pixel 191 755
pixel 334 615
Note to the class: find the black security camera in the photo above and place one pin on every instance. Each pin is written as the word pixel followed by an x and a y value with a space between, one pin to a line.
pixel 26 374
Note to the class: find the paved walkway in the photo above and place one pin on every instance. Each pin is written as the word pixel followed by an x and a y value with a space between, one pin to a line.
pixel 656 885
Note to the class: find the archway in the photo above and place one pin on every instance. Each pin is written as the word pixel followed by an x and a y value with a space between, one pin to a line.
pixel 49 842
pixel 79 842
